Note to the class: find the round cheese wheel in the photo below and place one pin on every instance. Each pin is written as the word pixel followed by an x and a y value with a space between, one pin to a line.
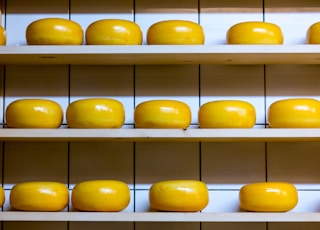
pixel 2 197
pixel 268 197
pixel 34 113
pixel 39 196
pixel 54 31
pixel 100 196
pixel 3 36
pixel 179 196
pixel 113 32
pixel 254 32
pixel 294 113
pixel 227 114
pixel 175 32
pixel 313 34
pixel 95 113
pixel 162 114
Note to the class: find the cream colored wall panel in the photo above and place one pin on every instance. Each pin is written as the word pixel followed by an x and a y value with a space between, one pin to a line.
pixel 229 165
pixel 148 12
pixel 20 13
pixel 101 226
pixel 10 225
pixel 218 16
pixel 294 162
pixel 165 161
pixel 223 201
pixel 85 12
pixel 92 161
pixel 168 82
pixel 2 87
pixel 294 17
pixel 115 82
pixel 35 161
pixel 141 200
pixel 236 82
pixel 238 226
pixel 309 201
pixel 47 82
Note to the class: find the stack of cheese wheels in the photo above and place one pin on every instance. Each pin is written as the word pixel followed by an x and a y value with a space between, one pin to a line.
pixel 34 113
pixel 54 31
pixel 113 32
pixel 95 113
pixel 268 197
pixel 175 32
pixel 162 114
pixel 294 113
pixel 100 196
pixel 179 196
pixel 3 36
pixel 39 196
pixel 313 34
pixel 254 32
pixel 227 114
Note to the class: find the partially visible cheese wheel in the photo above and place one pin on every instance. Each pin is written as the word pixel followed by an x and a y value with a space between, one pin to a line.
pixel 2 196
pixel 113 32
pixel 34 113
pixel 54 31
pixel 294 113
pixel 3 36
pixel 227 114
pixel 313 34
pixel 268 197
pixel 179 196
pixel 39 196
pixel 254 32
pixel 100 196
pixel 95 113
pixel 175 32
pixel 162 114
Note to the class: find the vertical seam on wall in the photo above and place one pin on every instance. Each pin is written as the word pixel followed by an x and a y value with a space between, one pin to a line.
pixel 263 11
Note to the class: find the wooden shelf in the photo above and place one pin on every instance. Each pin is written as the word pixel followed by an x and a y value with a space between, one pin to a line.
pixel 159 217
pixel 157 55
pixel 164 135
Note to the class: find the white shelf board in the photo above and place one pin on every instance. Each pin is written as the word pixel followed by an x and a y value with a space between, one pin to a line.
pixel 159 217
pixel 161 54
pixel 164 135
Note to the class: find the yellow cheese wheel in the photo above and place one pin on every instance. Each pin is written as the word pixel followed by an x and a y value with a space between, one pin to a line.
pixel 113 32
pixel 254 32
pixel 227 114
pixel 162 114
pixel 95 113
pixel 313 34
pixel 100 195
pixel 39 196
pixel 175 32
pixel 2 196
pixel 3 36
pixel 268 197
pixel 34 113
pixel 54 31
pixel 179 196
pixel 294 113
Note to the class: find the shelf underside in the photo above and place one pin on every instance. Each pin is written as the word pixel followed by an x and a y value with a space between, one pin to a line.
pixel 158 55
pixel 161 135
pixel 159 217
